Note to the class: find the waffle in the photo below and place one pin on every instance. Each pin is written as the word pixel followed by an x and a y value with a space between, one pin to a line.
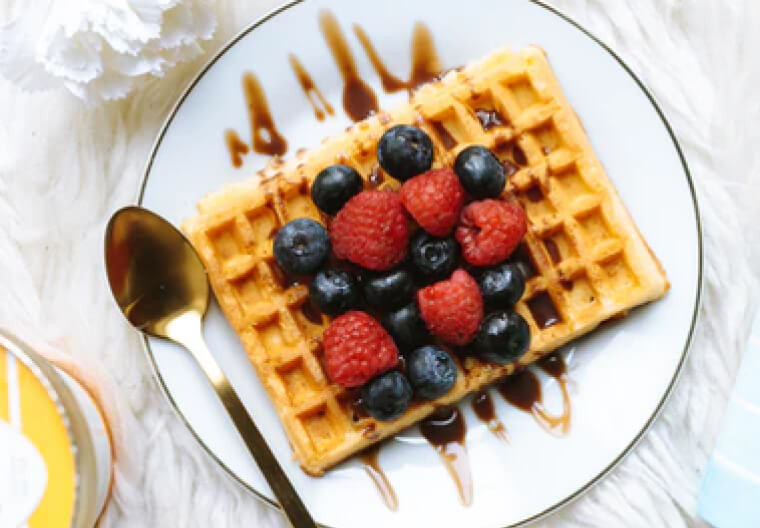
pixel 584 258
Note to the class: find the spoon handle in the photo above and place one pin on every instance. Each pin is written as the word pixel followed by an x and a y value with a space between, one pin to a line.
pixel 188 333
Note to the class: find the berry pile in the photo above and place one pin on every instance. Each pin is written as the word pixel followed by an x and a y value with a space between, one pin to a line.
pixel 396 280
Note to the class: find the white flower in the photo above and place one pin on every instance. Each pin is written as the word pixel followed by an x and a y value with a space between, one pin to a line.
pixel 100 49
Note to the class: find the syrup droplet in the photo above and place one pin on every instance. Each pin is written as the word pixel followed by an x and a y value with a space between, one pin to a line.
pixel 370 460
pixel 554 365
pixel 534 193
pixel 236 147
pixel 489 118
pixel 444 136
pixel 317 101
pixel 521 257
pixel 445 430
pixel 519 155
pixel 426 67
pixel 357 407
pixel 482 405
pixel 390 82
pixel 510 169
pixel 359 101
pixel 553 250
pixel 523 390
pixel 543 310
pixel 265 137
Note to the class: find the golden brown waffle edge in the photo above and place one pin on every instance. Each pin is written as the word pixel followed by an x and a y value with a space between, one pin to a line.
pixel 586 260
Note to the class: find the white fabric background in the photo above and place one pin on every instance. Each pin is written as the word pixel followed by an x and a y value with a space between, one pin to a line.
pixel 65 168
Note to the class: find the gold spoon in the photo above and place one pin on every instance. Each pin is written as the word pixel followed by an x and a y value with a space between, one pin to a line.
pixel 161 287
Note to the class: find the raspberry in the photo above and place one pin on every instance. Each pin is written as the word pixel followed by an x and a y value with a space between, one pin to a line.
pixel 357 349
pixel 490 230
pixel 371 230
pixel 452 309
pixel 434 199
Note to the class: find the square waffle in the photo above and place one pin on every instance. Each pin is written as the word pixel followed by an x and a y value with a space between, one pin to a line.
pixel 584 258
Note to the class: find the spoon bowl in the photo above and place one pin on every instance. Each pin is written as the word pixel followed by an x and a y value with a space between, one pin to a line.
pixel 154 273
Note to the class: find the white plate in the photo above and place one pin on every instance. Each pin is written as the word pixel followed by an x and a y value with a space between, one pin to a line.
pixel 623 373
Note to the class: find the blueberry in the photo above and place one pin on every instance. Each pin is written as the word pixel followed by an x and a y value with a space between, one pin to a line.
pixel 480 172
pixel 301 246
pixel 503 337
pixel 333 187
pixel 389 290
pixel 387 396
pixel 434 258
pixel 432 372
pixel 502 286
pixel 406 327
pixel 405 151
pixel 334 291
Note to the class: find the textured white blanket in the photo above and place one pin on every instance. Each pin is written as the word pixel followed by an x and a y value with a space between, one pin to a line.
pixel 65 168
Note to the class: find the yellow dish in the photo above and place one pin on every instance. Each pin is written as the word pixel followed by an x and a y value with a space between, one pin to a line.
pixel 59 450
pixel 39 418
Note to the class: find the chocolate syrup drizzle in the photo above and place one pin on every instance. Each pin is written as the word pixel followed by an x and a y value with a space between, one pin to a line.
pixel 482 405
pixel 265 137
pixel 359 100
pixel 523 390
pixel 317 101
pixel 426 66
pixel 236 147
pixel 445 430
pixel 264 133
pixel 370 461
